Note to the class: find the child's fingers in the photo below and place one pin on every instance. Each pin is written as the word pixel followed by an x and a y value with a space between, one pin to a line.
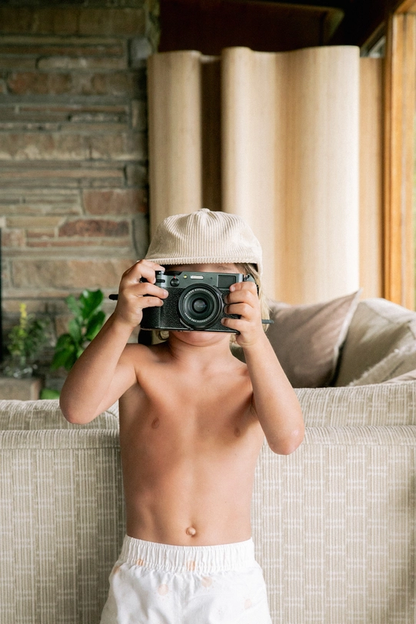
pixel 243 296
pixel 242 309
pixel 143 290
pixel 147 288
pixel 149 302
pixel 244 287
pixel 244 302
pixel 142 269
pixel 238 324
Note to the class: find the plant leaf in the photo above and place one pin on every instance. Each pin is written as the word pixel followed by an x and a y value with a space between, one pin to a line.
pixel 94 325
pixel 90 300
pixel 72 358
pixel 62 357
pixel 73 305
pixel 64 341
pixel 75 331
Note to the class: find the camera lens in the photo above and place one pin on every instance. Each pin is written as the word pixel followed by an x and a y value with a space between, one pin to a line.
pixel 200 306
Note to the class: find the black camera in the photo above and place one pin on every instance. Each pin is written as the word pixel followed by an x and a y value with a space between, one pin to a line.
pixel 196 301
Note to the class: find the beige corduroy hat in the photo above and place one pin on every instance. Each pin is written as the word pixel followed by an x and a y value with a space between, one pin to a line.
pixel 205 237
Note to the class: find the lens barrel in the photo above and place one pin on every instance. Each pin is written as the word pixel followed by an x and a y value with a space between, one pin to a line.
pixel 200 306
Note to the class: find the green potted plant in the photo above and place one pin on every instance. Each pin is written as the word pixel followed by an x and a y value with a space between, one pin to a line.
pixel 82 328
pixel 26 341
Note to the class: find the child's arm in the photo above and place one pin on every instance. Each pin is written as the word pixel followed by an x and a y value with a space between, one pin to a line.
pixel 106 369
pixel 276 404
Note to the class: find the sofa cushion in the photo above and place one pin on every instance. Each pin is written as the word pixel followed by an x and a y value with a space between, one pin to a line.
pixel 394 365
pixel 377 329
pixel 307 338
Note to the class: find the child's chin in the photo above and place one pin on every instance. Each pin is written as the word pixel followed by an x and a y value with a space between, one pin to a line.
pixel 201 337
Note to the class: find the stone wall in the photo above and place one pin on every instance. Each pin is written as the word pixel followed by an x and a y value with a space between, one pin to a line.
pixel 73 148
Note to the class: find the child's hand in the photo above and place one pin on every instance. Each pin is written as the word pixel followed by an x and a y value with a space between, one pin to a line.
pixel 243 300
pixel 134 295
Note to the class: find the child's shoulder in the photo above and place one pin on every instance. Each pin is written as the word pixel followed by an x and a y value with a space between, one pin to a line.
pixel 139 352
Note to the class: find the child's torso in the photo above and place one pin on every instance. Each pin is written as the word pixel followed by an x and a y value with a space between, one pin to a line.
pixel 189 448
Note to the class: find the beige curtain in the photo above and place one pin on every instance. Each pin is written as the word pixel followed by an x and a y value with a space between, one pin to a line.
pixel 274 137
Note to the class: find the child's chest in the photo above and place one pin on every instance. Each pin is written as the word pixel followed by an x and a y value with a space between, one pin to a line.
pixel 190 414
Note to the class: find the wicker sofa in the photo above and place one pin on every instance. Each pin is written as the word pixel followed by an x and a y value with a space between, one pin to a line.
pixel 334 523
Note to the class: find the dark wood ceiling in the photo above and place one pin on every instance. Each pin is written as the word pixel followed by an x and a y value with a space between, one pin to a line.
pixel 269 25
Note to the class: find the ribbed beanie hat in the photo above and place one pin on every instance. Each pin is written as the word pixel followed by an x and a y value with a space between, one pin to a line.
pixel 205 237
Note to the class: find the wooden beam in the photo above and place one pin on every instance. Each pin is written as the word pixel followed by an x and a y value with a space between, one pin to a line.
pixel 398 159
pixel 367 18
pixel 408 6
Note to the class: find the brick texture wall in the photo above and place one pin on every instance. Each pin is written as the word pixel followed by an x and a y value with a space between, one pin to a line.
pixel 73 147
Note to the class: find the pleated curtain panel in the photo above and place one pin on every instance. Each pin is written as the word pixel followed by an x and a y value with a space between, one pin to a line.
pixel 275 138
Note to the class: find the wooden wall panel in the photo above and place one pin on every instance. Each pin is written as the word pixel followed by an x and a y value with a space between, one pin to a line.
pixel 174 92
pixel 290 164
pixel 249 111
pixel 281 148
pixel 371 176
pixel 321 173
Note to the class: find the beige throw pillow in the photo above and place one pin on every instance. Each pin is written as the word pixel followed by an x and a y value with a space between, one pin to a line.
pixel 393 367
pixel 378 328
pixel 410 376
pixel 307 338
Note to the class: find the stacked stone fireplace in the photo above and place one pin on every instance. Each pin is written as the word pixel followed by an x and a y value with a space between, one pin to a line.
pixel 73 148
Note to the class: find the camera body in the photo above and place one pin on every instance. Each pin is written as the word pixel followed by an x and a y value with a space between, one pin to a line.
pixel 195 302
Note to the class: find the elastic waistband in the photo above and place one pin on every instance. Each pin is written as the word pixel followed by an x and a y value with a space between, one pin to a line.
pixel 205 559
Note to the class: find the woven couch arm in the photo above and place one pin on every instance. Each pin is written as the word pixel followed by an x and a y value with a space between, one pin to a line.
pixel 380 404
pixel 30 415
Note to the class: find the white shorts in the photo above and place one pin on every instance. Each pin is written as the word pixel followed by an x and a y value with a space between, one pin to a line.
pixel 162 584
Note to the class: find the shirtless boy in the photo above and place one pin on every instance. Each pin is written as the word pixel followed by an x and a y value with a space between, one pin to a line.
pixel 192 421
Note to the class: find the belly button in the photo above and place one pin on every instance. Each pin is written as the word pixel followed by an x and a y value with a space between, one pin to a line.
pixel 155 423
pixel 191 531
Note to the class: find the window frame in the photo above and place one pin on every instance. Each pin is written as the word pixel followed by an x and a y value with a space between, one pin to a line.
pixel 399 107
